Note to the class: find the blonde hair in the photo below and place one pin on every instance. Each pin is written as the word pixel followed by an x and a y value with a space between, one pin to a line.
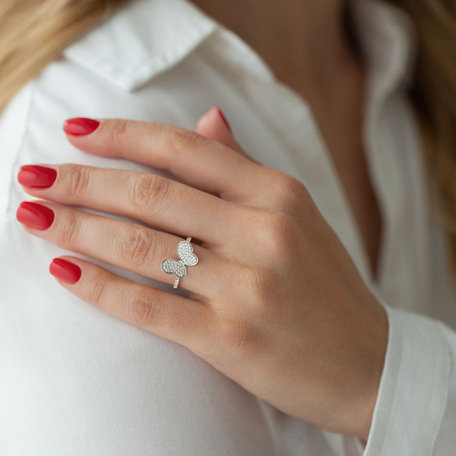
pixel 34 32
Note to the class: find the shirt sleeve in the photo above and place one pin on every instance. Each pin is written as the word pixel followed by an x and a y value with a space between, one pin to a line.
pixel 415 412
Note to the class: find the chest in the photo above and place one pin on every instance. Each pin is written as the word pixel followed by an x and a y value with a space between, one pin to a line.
pixel 352 170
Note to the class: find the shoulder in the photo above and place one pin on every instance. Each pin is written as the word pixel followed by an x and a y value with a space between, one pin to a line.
pixel 122 67
pixel 141 40
pixel 113 63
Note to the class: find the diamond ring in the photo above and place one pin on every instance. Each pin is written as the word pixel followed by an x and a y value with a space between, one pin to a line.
pixel 177 267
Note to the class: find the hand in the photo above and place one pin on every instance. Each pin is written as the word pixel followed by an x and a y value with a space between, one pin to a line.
pixel 275 301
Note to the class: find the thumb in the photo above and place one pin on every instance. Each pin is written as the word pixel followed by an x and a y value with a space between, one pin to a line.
pixel 213 125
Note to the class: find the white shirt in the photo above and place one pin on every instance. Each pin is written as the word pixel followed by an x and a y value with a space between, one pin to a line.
pixel 76 381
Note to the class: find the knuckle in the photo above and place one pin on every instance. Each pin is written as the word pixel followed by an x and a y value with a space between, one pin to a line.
pixel 147 190
pixel 263 294
pixel 289 190
pixel 262 284
pixel 286 193
pixel 180 139
pixel 70 228
pixel 136 246
pixel 239 335
pixel 141 309
pixel 280 226
pixel 279 234
pixel 97 292
pixel 118 130
pixel 77 181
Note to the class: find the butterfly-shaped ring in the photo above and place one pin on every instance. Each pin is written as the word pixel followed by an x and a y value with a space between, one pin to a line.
pixel 177 267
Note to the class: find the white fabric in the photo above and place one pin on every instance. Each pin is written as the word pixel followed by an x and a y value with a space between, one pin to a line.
pixel 75 381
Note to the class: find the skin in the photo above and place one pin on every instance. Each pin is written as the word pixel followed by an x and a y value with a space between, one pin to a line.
pixel 329 74
pixel 303 333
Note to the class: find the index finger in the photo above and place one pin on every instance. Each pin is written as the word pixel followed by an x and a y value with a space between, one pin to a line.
pixel 197 160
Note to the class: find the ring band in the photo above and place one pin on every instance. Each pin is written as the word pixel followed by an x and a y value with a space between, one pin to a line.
pixel 177 267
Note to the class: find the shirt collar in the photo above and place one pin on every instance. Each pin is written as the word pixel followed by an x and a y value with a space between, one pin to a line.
pixel 388 40
pixel 140 40
pixel 147 37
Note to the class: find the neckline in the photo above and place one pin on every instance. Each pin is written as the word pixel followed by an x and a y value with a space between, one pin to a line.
pixel 386 37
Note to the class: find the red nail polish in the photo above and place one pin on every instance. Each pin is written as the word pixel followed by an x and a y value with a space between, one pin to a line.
pixel 35 215
pixel 80 126
pixel 36 176
pixel 64 270
pixel 223 118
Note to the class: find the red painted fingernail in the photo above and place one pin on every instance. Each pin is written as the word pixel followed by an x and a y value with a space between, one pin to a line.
pixel 35 215
pixel 80 126
pixel 223 118
pixel 64 270
pixel 36 176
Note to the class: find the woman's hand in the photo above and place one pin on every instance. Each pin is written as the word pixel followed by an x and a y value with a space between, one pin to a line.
pixel 275 302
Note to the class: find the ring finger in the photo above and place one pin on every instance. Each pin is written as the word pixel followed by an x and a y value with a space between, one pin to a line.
pixel 127 245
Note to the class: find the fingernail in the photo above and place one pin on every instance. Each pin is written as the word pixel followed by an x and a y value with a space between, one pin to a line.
pixel 36 176
pixel 35 215
pixel 223 118
pixel 80 126
pixel 64 270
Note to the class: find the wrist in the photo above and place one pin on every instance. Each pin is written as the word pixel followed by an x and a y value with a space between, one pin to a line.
pixel 376 370
pixel 366 420
pixel 364 405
